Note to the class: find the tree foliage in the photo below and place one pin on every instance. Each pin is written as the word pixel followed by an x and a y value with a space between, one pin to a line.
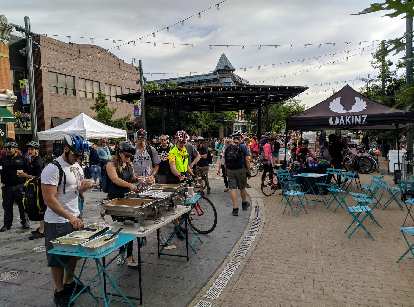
pixel 104 114
pixel 394 8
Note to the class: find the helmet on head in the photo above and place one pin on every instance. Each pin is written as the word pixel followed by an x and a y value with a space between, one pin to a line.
pixel 77 144
pixel 33 144
pixel 11 144
pixel 182 136
pixel 141 134
pixel 127 147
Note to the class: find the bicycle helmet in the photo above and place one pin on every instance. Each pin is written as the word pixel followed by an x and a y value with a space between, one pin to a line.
pixel 182 136
pixel 33 144
pixel 141 134
pixel 127 147
pixel 11 144
pixel 77 144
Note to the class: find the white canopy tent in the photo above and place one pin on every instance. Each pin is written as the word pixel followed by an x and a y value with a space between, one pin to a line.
pixel 82 125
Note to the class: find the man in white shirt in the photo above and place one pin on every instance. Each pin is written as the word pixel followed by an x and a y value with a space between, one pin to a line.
pixel 146 160
pixel 62 185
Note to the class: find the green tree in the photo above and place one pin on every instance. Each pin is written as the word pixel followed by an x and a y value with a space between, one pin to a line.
pixel 104 114
pixel 279 113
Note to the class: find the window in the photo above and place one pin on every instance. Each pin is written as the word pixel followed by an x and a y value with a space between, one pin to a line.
pixel 107 92
pixel 118 92
pixel 113 93
pixel 61 84
pixel 88 88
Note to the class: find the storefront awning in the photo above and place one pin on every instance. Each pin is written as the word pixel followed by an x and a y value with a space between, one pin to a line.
pixel 6 116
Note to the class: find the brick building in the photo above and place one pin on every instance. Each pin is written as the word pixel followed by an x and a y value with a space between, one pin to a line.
pixel 68 77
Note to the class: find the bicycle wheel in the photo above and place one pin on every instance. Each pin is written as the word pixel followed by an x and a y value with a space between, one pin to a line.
pixel 203 216
pixel 267 187
pixel 365 165
pixel 254 170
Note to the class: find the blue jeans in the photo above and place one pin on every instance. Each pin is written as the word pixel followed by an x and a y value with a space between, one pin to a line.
pixel 95 171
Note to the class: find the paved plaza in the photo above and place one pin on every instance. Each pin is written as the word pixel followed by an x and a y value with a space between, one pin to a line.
pixel 25 279
pixel 309 261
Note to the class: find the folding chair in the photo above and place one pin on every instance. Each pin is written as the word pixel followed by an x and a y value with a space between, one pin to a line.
pixel 409 204
pixel 293 196
pixel 350 179
pixel 375 190
pixel 407 231
pixel 359 214
pixel 338 196
pixel 394 196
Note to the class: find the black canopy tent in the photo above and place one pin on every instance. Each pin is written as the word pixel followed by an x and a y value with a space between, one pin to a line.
pixel 348 109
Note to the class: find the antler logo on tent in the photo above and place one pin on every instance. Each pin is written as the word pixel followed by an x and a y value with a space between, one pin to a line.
pixel 336 106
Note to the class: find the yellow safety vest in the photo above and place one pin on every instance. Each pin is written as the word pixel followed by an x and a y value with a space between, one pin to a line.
pixel 180 157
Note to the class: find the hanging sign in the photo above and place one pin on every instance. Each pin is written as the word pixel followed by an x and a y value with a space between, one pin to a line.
pixel 24 91
pixel 137 108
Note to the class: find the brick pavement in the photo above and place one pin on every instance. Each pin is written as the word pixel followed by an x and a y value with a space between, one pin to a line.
pixel 309 261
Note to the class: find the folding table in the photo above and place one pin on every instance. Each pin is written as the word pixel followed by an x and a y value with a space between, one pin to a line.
pixel 309 180
pixel 151 227
pixel 102 270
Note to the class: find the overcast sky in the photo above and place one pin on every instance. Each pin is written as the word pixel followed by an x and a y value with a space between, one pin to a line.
pixel 292 24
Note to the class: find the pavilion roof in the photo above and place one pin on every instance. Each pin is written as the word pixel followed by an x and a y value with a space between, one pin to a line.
pixel 217 98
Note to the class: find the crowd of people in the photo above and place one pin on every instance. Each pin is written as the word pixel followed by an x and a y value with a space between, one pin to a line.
pixel 116 169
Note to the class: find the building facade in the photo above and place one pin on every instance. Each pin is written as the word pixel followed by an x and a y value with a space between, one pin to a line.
pixel 68 77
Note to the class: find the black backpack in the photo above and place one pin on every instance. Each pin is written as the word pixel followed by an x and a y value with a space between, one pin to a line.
pixel 33 202
pixel 233 157
pixel 62 175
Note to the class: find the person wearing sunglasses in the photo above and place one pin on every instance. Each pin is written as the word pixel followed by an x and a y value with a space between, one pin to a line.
pixel 146 160
pixel 121 179
pixel 63 184
pixel 164 174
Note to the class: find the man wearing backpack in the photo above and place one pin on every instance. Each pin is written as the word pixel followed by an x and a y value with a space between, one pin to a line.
pixel 33 200
pixel 236 160
pixel 62 185
pixel 146 159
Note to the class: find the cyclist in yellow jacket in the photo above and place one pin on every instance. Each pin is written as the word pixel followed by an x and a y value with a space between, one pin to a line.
pixel 178 157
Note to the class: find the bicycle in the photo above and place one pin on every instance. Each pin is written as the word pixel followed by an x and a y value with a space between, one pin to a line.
pixel 203 215
pixel 268 186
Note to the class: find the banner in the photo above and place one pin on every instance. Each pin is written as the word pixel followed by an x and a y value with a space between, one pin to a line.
pixel 24 91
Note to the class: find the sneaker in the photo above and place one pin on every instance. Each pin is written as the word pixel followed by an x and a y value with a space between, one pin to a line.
pixel 226 190
pixel 120 260
pixel 245 205
pixel 132 263
pixel 73 289
pixel 36 235
pixel 5 228
pixel 61 298
pixel 235 212
pixel 25 225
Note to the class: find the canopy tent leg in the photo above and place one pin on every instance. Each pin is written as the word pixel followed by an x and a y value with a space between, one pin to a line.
pixel 286 142
pixel 259 121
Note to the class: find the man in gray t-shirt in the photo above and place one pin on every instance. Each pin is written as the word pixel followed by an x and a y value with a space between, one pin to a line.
pixel 193 154
pixel 146 160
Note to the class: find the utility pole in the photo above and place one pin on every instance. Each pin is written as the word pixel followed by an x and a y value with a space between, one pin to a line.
pixel 141 81
pixel 30 77
pixel 409 77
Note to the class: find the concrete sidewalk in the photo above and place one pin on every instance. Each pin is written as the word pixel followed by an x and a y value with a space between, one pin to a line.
pixel 309 261
pixel 25 279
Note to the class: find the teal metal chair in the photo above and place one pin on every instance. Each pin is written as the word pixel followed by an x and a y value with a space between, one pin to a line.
pixel 407 231
pixel 338 197
pixel 375 190
pixel 359 214
pixel 294 197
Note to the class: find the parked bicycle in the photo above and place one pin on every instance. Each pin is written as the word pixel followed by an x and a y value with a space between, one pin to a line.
pixel 356 159
pixel 203 215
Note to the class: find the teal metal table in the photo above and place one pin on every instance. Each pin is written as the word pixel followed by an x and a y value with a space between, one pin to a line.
pixel 102 273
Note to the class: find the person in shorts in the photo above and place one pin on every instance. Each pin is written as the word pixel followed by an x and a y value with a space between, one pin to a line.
pixel 62 213
pixel 237 162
